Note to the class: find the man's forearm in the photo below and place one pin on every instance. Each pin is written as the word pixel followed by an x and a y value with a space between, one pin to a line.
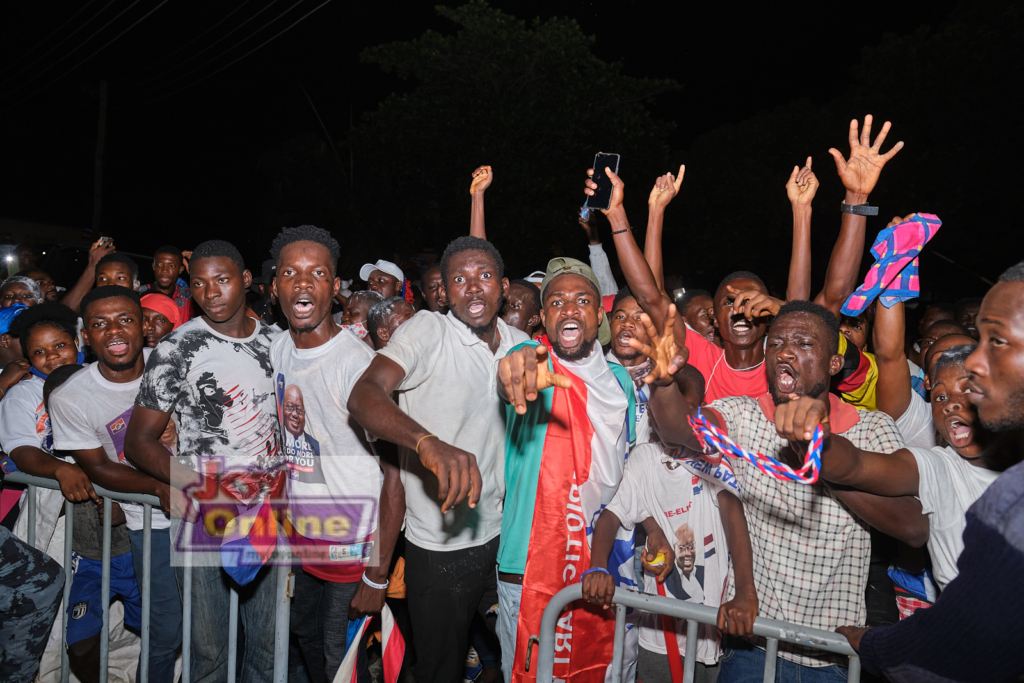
pixel 737 538
pixel 799 287
pixel 652 245
pixel 374 410
pixel 604 538
pixel 73 298
pixel 635 268
pixel 670 410
pixel 900 516
pixel 36 462
pixel 149 456
pixel 476 217
pixel 391 513
pixel 883 474
pixel 844 265
pixel 117 477
pixel 893 388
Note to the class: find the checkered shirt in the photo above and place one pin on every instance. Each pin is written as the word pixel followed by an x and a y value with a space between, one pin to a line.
pixel 810 554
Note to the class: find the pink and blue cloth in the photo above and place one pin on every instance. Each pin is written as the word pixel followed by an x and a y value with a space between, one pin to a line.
pixel 893 278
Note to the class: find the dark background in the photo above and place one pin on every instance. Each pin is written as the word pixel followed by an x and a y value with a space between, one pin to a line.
pixel 756 90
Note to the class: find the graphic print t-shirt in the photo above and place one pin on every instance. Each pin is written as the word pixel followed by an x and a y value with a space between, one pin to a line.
pixel 655 484
pixel 87 412
pixel 221 390
pixel 334 477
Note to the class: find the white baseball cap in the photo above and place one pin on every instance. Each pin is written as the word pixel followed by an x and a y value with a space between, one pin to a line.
pixel 383 266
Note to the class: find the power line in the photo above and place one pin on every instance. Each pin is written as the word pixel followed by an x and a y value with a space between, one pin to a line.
pixel 235 61
pixel 51 35
pixel 68 37
pixel 171 54
pixel 100 49
pixel 210 46
pixel 76 49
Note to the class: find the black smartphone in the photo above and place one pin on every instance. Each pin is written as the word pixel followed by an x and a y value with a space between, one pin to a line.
pixel 603 194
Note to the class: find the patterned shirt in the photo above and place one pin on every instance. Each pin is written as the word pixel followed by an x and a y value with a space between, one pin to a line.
pixel 182 298
pixel 810 554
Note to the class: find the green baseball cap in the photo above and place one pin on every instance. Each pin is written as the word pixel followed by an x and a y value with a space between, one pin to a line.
pixel 571 266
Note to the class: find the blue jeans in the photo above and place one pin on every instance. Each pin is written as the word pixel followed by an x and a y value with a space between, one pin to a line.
pixel 319 621
pixel 210 610
pixel 745 664
pixel 164 604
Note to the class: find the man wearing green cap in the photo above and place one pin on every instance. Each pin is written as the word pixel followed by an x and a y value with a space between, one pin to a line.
pixel 568 429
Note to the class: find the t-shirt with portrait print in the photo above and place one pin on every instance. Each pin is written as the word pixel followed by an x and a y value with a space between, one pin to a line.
pixel 221 390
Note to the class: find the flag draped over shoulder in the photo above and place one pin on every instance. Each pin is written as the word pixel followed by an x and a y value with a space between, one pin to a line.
pixel 577 477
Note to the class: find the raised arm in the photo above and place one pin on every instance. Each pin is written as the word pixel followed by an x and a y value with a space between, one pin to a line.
pixel 73 299
pixel 893 390
pixel 598 258
pixel 456 470
pixel 859 175
pixel 665 188
pixel 482 178
pixel 800 189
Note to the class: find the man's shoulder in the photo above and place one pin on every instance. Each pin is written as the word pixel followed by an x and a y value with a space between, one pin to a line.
pixel 1002 505
pixel 82 382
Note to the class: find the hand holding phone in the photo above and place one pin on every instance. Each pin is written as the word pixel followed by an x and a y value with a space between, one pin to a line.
pixel 603 194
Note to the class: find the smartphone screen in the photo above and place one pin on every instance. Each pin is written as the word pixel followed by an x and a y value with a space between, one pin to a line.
pixel 603 193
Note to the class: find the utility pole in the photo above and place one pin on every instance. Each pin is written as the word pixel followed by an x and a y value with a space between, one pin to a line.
pixel 101 140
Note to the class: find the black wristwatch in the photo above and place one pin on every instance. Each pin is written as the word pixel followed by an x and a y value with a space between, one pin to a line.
pixel 859 209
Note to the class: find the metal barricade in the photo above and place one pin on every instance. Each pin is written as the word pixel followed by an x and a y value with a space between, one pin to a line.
pixel 282 600
pixel 774 631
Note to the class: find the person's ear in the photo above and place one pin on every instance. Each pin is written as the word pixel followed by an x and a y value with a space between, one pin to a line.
pixel 334 291
pixel 383 333
pixel 927 382
pixel 5 341
pixel 273 288
pixel 534 321
pixel 181 268
pixel 246 278
pixel 600 314
pixel 835 364
pixel 504 286
pixel 543 319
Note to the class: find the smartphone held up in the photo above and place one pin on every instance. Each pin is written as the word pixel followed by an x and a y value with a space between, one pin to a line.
pixel 603 194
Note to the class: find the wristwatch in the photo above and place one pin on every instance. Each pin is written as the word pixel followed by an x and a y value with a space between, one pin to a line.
pixel 859 209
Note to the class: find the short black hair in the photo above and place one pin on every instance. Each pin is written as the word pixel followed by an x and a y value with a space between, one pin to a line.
pixel 954 355
pixel 306 233
pixel 218 249
pixel 28 272
pixel 470 243
pixel 1013 273
pixel 739 275
pixel 44 315
pixel 56 378
pixel 380 314
pixel 109 293
pixel 532 288
pixel 120 258
pixel 831 323
pixel 941 305
pixel 959 329
pixel 690 295
pixel 623 293
pixel 168 249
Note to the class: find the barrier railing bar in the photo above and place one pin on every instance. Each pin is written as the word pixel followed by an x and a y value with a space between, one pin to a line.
pixel 285 585
pixel 771 653
pixel 618 643
pixel 105 591
pixel 69 530
pixel 31 502
pixel 147 585
pixel 32 481
pixel 690 660
pixel 767 628
pixel 186 623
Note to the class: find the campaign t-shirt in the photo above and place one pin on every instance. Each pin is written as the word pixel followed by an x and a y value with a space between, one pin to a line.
pixel 89 411
pixel 916 423
pixel 947 486
pixel 641 395
pixel 221 390
pixel 450 387
pixel 655 484
pixel 720 379
pixel 334 477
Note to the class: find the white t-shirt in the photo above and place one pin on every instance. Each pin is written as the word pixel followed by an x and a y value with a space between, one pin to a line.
pixel 948 485
pixel 655 484
pixel 89 411
pixel 331 467
pixel 451 389
pixel 24 399
pixel 641 394
pixel 916 423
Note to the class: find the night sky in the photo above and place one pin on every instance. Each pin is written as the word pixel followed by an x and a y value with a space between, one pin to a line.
pixel 180 166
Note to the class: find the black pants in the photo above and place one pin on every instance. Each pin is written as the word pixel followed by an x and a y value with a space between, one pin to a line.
pixel 445 590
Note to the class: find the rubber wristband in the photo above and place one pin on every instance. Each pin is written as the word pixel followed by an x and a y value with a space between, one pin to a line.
pixel 378 586
pixel 426 436
pixel 619 232
pixel 602 570
pixel 859 209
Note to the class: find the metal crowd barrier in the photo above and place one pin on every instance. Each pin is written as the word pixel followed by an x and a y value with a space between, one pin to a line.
pixel 283 600
pixel 694 614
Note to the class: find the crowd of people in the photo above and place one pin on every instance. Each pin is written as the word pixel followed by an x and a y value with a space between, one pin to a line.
pixel 455 447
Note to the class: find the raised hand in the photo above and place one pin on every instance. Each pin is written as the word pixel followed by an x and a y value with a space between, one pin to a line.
pixel 99 249
pixel 665 188
pixel 13 372
pixel 896 220
pixel 796 419
pixel 524 373
pixel 860 172
pixel 458 475
pixel 802 185
pixel 666 357
pixel 753 304
pixel 482 178
pixel 618 188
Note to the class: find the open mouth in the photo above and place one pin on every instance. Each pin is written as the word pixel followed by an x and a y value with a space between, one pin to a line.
pixel 476 307
pixel 742 325
pixel 570 334
pixel 303 307
pixel 786 379
pixel 623 338
pixel 117 347
pixel 960 433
